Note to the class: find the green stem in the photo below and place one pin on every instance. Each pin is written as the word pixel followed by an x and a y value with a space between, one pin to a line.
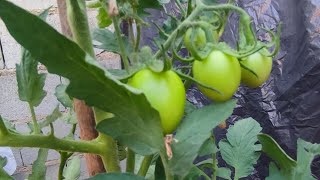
pixel 199 9
pixel 145 165
pixel 110 156
pixel 137 45
pixel 124 56
pixel 50 142
pixel 131 34
pixel 214 161
pixel 34 120
pixel 164 159
pixel 130 161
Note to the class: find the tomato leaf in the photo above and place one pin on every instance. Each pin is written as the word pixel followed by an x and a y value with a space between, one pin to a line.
pixel 30 83
pixel 302 170
pixel 147 4
pixel 208 147
pixel 62 96
pixel 195 173
pixel 224 173
pixel 116 176
pixel 276 153
pixel 276 174
pixel 3 174
pixel 39 168
pixel 305 155
pixel 133 114
pixel 194 130
pixel 72 170
pixel 103 18
pixel 240 148
pixel 107 40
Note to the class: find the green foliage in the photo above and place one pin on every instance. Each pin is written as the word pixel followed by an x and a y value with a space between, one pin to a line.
pixel 107 40
pixel 62 96
pixel 299 170
pixel 30 83
pixel 3 173
pixel 103 18
pixel 39 168
pixel 274 151
pixel 208 147
pixel 72 170
pixel 116 176
pixel 192 133
pixel 240 149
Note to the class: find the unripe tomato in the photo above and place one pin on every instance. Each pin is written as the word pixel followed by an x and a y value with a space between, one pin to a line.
pixel 258 63
pixel 219 71
pixel 199 39
pixel 166 93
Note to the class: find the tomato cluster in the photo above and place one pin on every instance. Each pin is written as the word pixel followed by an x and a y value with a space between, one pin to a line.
pixel 166 92
pixel 224 72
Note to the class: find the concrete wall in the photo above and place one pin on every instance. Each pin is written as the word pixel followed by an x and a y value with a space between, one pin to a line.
pixel 16 111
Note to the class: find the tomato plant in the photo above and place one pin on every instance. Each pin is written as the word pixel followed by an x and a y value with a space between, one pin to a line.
pixel 134 107
pixel 166 93
pixel 261 66
pixel 218 70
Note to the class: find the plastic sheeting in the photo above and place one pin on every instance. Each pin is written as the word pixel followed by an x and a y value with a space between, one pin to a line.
pixel 288 105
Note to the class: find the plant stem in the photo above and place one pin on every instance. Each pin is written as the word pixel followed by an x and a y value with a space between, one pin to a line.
pixel 145 165
pixel 110 155
pixel 137 45
pixel 34 120
pixel 214 161
pixel 50 142
pixel 199 9
pixel 164 159
pixel 131 34
pixel 130 161
pixel 124 56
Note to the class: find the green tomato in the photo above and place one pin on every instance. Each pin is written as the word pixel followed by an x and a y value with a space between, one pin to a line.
pixel 199 39
pixel 258 63
pixel 219 71
pixel 166 93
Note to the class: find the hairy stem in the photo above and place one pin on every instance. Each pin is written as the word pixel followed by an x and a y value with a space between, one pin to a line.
pixel 50 142
pixel 199 9
pixel 123 51
pixel 145 165
pixel 34 120
pixel 110 156
pixel 130 161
